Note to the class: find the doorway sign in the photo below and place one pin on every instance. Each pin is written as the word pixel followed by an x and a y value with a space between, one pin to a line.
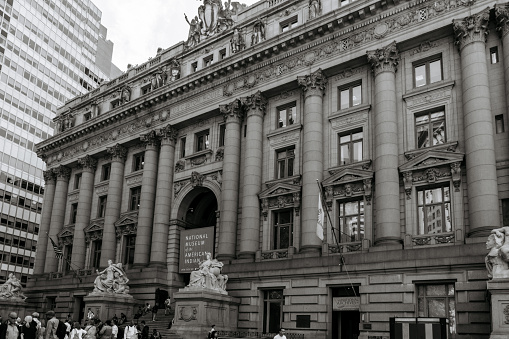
pixel 346 303
pixel 194 244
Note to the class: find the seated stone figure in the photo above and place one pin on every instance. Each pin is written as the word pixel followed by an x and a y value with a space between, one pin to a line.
pixel 208 276
pixel 496 259
pixel 11 289
pixel 111 280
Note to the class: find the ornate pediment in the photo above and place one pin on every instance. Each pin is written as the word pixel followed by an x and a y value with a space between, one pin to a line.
pixel 66 236
pixel 94 227
pixel 127 224
pixel 127 219
pixel 281 195
pixel 431 166
pixel 348 182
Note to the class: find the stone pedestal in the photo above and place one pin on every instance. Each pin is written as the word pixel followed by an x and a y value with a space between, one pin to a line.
pixel 106 305
pixel 13 305
pixel 196 311
pixel 499 289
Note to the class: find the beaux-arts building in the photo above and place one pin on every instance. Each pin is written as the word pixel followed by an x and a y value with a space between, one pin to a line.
pixel 397 108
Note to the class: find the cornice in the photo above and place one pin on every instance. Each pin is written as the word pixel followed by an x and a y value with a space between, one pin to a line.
pixel 304 46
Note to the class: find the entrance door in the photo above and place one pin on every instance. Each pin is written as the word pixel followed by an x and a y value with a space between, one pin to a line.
pixel 273 311
pixel 345 325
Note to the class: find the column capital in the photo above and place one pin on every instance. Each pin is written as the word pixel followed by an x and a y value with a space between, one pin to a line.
pixel 49 177
pixel 62 173
pixel 88 162
pixel 150 139
pixel 502 16
pixel 117 153
pixel 255 104
pixel 384 59
pixel 232 112
pixel 313 84
pixel 168 135
pixel 473 28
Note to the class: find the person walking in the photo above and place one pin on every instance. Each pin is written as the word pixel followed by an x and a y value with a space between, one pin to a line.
pixel 51 325
pixel 281 334
pixel 9 329
pixel 167 306
pixel 154 311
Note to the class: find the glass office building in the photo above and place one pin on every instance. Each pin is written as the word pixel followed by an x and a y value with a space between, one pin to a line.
pixel 50 51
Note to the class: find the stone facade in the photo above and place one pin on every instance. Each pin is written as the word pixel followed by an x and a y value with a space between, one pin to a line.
pixel 397 108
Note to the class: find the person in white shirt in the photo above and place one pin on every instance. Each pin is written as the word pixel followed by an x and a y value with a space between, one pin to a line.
pixel 131 332
pixel 114 330
pixel 77 332
pixel 281 334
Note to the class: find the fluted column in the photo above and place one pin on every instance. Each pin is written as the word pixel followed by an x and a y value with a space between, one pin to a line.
pixel 89 165
pixel 233 115
pixel 384 64
pixel 313 87
pixel 147 198
pixel 113 202
pixel 47 207
pixel 471 33
pixel 62 174
pixel 168 137
pixel 252 184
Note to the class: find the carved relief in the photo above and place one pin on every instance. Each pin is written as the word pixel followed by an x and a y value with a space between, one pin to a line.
pixel 187 313
pixel 117 152
pixel 258 34
pixel 136 180
pixel 88 162
pixel 180 166
pixel 220 154
pixel 424 47
pixel 197 179
pixel 232 111
pixel 384 59
pixel 237 43
pixel 456 175
pixel 313 83
pixel 315 9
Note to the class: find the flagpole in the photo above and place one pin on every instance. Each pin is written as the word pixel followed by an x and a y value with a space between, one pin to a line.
pixel 59 254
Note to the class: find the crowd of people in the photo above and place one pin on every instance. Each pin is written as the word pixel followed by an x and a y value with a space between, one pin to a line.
pixel 32 327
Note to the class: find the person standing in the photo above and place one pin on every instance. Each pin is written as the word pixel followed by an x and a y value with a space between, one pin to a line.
pixel 114 329
pixel 211 332
pixel 281 334
pixel 29 329
pixel 67 326
pixel 130 331
pixel 106 330
pixel 77 332
pixel 90 330
pixel 9 329
pixel 167 306
pixel 154 311
pixel 144 330
pixel 51 325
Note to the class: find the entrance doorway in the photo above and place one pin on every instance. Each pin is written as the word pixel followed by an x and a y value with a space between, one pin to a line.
pixel 345 325
pixel 273 301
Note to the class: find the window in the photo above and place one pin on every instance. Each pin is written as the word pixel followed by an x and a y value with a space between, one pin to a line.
pixel 96 254
pixel 350 96
pixel 74 212
pixel 77 181
pixel 194 67
pixel 130 242
pixel 207 61
pixel 138 161
pixel 288 24
pixel 273 301
pixel 202 141
pixel 87 116
pixel 428 71
pixel 350 147
pixel 437 301
pixel 494 55
pixel 145 90
pixel 283 229
pixel 102 206
pixel 222 54
pixel 286 115
pixel 434 210
pixel 430 124
pixel 182 147
pixel 222 132
pixel 499 123
pixel 285 159
pixel 351 220
pixel 105 172
pixel 134 198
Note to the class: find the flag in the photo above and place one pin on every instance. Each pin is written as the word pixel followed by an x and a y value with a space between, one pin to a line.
pixel 319 223
pixel 58 252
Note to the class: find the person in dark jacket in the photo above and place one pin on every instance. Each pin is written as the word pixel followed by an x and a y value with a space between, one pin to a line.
pixel 9 329
pixel 144 330
pixel 29 328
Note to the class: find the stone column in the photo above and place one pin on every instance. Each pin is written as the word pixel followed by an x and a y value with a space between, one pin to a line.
pixel 252 183
pixel 89 165
pixel 313 87
pixel 233 115
pixel 481 168
pixel 113 202
pixel 384 64
pixel 502 15
pixel 63 175
pixel 168 137
pixel 147 198
pixel 47 207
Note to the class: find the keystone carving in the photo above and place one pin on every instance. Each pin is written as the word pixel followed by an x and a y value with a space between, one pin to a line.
pixel 384 59
pixel 473 28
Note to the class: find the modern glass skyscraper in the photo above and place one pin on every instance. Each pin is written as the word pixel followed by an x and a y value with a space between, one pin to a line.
pixel 50 51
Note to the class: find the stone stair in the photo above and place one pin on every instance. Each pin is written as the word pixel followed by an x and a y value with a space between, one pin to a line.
pixel 161 324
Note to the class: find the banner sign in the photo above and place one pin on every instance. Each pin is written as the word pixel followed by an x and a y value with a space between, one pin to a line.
pixel 346 304
pixel 194 243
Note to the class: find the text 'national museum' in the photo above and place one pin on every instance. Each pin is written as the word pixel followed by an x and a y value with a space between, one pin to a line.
pixel 395 111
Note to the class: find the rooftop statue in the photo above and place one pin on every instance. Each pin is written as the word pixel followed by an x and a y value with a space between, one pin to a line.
pixel 497 259
pixel 111 280
pixel 208 276
pixel 11 289
pixel 212 18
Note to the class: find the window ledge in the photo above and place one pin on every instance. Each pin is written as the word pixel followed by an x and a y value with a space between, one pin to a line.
pixel 364 164
pixel 448 146
pixel 197 154
pixel 427 88
pixel 351 110
pixel 283 130
pixel 294 180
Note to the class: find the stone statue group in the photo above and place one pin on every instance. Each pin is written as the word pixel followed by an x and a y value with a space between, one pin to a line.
pixel 11 289
pixel 497 259
pixel 208 276
pixel 111 280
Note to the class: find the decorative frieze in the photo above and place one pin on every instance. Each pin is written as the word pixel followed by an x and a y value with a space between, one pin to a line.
pixel 180 166
pixel 127 224
pixel 134 180
pixel 101 188
pixel 285 136
pixel 384 59
pixel 427 97
pixel 473 28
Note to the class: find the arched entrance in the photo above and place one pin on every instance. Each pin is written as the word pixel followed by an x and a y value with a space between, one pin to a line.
pixel 198 208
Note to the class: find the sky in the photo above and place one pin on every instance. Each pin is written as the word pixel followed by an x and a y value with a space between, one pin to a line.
pixel 138 27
